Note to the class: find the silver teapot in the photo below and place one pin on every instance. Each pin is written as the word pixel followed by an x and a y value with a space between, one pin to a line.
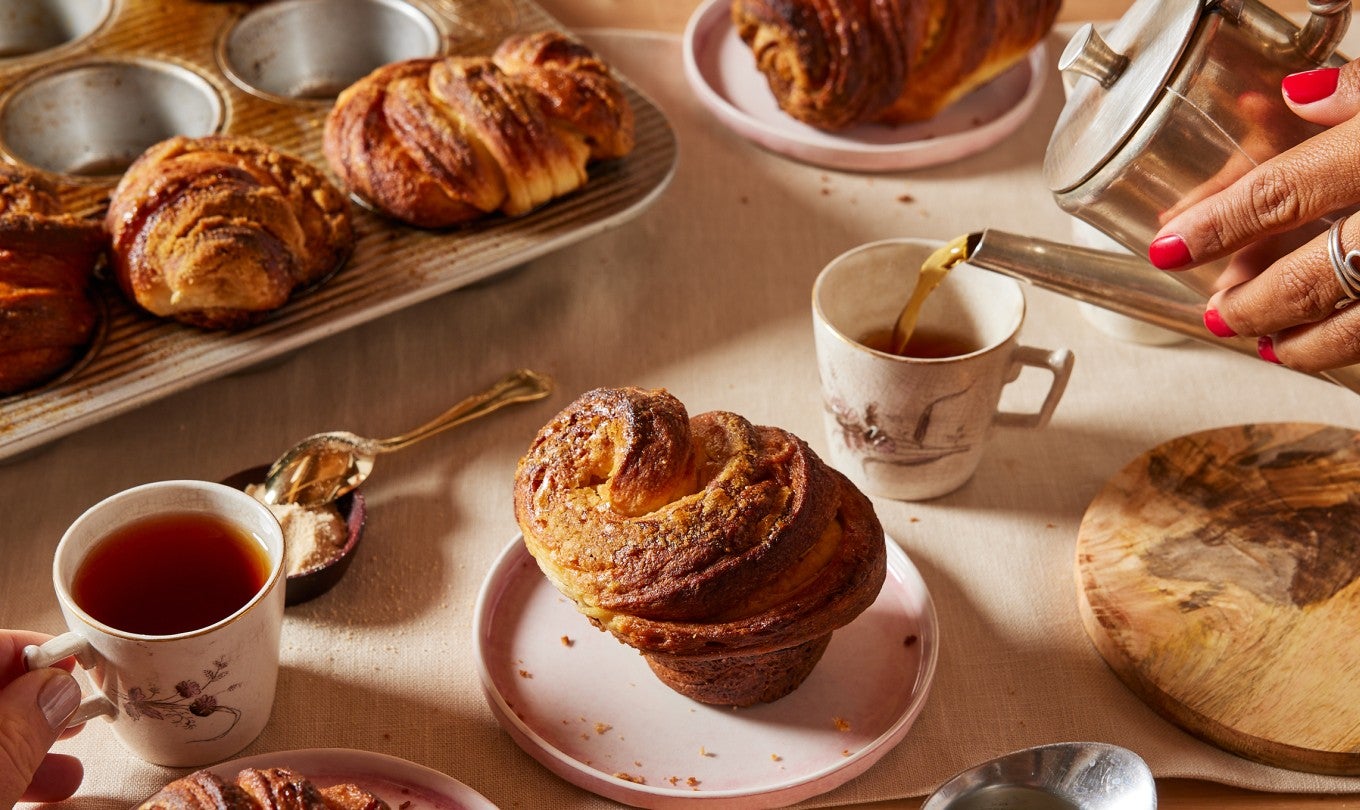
pixel 1176 101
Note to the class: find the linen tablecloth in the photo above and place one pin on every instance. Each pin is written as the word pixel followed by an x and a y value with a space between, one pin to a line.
pixel 707 293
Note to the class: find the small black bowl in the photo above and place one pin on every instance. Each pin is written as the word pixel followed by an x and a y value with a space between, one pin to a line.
pixel 313 582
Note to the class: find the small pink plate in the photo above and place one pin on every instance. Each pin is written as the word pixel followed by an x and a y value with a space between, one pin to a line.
pixel 588 708
pixel 722 71
pixel 400 783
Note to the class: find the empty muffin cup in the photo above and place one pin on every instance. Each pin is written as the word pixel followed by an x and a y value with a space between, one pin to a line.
pixel 94 118
pixel 33 26
pixel 312 49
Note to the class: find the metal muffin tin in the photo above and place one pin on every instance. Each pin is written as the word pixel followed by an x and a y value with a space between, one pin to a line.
pixel 87 85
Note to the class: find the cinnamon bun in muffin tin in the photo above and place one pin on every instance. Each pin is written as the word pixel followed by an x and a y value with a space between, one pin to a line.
pixel 86 88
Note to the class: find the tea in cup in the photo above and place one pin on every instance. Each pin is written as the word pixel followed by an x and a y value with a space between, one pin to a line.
pixel 913 426
pixel 172 593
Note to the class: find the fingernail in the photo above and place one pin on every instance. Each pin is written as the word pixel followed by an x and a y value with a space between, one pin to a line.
pixel 1214 323
pixel 1310 85
pixel 58 700
pixel 1169 252
pixel 1266 348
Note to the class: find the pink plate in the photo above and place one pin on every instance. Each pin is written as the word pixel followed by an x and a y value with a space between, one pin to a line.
pixel 400 783
pixel 589 709
pixel 722 72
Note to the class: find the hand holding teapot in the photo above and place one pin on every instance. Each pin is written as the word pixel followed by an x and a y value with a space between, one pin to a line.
pixel 1295 255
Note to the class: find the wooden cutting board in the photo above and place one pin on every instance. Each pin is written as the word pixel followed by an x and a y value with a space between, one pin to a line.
pixel 1219 576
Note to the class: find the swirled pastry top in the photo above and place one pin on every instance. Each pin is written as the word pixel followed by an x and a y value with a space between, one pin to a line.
pixel 220 230
pixel 833 64
pixel 439 142
pixel 694 535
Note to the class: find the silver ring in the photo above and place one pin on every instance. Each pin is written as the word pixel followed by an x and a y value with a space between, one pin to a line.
pixel 1344 265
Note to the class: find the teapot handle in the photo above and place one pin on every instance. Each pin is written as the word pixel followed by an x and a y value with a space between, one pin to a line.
pixel 1327 24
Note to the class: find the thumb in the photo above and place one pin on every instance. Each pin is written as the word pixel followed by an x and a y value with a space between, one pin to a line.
pixel 33 711
pixel 1326 96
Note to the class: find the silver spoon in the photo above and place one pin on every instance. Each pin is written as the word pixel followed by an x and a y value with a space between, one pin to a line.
pixel 323 467
pixel 1061 776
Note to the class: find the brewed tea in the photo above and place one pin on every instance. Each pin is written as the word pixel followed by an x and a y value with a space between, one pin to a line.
pixel 926 343
pixel 170 574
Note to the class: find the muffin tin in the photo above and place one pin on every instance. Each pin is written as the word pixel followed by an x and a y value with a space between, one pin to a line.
pixel 87 85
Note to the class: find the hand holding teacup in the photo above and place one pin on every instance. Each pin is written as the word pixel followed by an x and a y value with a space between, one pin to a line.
pixel 173 595
pixel 34 710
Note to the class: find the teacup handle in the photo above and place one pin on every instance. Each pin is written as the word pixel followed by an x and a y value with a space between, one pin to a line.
pixel 1057 361
pixel 66 646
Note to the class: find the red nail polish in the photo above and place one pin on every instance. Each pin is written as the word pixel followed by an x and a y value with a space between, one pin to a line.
pixel 1266 348
pixel 1169 253
pixel 1214 323
pixel 1310 85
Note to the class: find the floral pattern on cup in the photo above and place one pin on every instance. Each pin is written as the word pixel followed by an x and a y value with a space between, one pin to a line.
pixel 191 702
pixel 868 434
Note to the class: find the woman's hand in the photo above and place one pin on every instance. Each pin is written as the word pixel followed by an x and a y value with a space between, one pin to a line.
pixel 34 708
pixel 1280 285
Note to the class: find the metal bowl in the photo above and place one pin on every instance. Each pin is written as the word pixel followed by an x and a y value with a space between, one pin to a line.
pixel 1061 776
pixel 30 27
pixel 93 118
pixel 312 49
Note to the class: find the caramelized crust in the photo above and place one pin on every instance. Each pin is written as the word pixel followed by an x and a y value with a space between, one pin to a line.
pixel 833 64
pixel 697 539
pixel 219 231
pixel 441 142
pixel 259 789
pixel 47 261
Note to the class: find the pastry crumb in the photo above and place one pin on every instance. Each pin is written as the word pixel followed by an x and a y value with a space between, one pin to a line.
pixel 776 758
pixel 845 752
pixel 910 640
pixel 526 674
pixel 840 723
pixel 704 752
pixel 567 641
pixel 601 728
pixel 628 777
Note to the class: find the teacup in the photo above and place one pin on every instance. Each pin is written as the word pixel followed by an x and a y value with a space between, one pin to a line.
pixel 173 595
pixel 913 428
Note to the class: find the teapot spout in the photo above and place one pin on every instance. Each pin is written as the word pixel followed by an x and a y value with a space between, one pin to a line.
pixel 1115 281
pixel 1119 282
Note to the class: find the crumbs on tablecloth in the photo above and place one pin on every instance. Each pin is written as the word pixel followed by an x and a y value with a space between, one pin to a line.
pixel 840 723
pixel 910 640
pixel 567 641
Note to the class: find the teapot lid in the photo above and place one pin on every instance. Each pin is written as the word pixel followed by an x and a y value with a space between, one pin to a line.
pixel 1117 80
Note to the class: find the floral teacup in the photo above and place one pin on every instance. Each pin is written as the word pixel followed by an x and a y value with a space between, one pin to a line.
pixel 186 698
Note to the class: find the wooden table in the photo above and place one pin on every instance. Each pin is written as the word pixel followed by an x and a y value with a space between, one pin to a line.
pixel 671 15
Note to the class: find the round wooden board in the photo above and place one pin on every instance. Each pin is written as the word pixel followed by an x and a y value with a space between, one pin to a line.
pixel 1219 577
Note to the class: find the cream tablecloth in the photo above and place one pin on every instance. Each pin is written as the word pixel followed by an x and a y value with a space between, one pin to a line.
pixel 707 294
